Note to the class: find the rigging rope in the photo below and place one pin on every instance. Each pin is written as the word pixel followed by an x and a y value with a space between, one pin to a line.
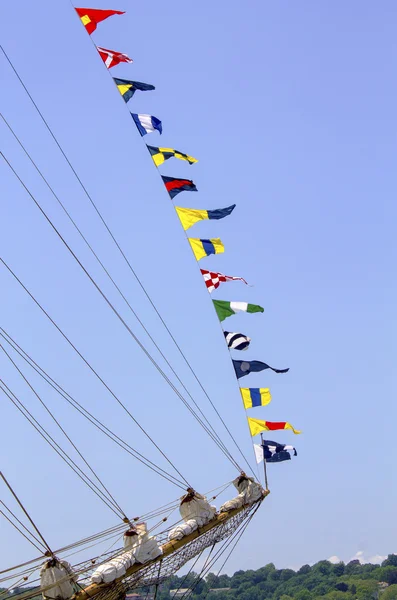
pixel 126 259
pixel 92 368
pixel 17 528
pixel 111 497
pixel 20 406
pixel 117 314
pixel 84 412
pixel 212 433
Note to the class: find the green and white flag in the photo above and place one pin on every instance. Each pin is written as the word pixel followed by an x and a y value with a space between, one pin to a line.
pixel 226 309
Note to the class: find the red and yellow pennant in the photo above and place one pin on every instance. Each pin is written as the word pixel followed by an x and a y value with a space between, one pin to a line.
pixel 90 17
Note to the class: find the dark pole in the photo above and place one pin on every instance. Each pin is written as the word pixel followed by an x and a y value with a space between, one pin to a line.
pixel 264 464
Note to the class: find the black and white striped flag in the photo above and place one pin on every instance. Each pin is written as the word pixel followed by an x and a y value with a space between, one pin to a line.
pixel 236 341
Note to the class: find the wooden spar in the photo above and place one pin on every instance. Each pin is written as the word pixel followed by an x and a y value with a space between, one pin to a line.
pixel 168 548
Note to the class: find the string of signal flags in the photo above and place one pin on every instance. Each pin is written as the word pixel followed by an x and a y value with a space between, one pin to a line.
pixel 267 450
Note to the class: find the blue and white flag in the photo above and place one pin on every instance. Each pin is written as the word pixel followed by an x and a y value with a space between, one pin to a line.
pixel 147 123
pixel 236 341
pixel 273 452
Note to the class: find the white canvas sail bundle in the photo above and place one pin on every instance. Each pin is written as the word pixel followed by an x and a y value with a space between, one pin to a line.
pixel 114 568
pixel 250 492
pixel 196 511
pixel 139 548
pixel 58 574
pixel 145 547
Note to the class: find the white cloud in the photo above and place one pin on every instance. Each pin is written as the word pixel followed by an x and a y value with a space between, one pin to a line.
pixel 375 559
pixel 361 556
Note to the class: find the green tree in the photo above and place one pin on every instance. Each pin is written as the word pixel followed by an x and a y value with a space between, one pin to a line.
pixel 338 569
pixel 324 567
pixel 304 595
pixel 391 561
pixel 389 593
pixel 304 570
pixel 366 589
pixel 336 595
pixel 352 567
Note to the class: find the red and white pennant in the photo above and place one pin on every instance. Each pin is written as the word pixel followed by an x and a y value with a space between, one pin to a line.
pixel 213 280
pixel 111 58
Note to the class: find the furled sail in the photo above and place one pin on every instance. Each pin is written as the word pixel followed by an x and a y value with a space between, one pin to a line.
pixel 195 511
pixel 249 492
pixel 60 576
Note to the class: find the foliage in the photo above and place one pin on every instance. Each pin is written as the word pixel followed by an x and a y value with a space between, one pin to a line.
pixel 322 581
pixel 390 593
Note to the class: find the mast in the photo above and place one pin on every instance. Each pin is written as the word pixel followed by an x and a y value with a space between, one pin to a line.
pixel 264 465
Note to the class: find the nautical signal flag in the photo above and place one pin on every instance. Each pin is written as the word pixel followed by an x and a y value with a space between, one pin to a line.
pixel 243 367
pixel 236 341
pixel 226 309
pixel 253 397
pixel 190 216
pixel 213 280
pixel 256 426
pixel 90 17
pixel 128 88
pixel 174 185
pixel 111 58
pixel 202 248
pixel 273 452
pixel 147 123
pixel 160 155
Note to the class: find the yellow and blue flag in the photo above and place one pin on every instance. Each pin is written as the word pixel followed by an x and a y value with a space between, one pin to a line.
pixel 128 88
pixel 255 397
pixel 160 155
pixel 190 216
pixel 202 248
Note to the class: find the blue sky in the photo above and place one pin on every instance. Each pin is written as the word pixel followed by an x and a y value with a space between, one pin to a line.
pixel 289 108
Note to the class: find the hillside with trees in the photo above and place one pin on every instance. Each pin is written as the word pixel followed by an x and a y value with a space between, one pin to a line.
pixel 323 580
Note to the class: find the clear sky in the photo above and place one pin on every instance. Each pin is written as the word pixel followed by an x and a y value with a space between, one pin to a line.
pixel 290 108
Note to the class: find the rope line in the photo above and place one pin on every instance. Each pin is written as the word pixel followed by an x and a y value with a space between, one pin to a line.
pixel 125 258
pixel 92 369
pixel 214 435
pixel 84 412
pixel 20 531
pixel 20 406
pixel 111 497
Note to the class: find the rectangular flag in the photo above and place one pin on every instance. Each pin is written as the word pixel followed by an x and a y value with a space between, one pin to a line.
pixel 256 426
pixel 202 248
pixel 160 155
pixel 111 58
pixel 190 216
pixel 236 341
pixel 253 397
pixel 213 280
pixel 245 367
pixel 175 186
pixel 90 17
pixel 273 452
pixel 147 123
pixel 128 88
pixel 226 309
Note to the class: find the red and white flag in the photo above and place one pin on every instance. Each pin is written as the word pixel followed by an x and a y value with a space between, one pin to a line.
pixel 213 280
pixel 111 58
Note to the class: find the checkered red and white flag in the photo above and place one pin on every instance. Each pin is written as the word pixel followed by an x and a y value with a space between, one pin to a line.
pixel 111 58
pixel 213 280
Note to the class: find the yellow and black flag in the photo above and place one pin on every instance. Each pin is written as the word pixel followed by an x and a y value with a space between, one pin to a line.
pixel 128 88
pixel 160 155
